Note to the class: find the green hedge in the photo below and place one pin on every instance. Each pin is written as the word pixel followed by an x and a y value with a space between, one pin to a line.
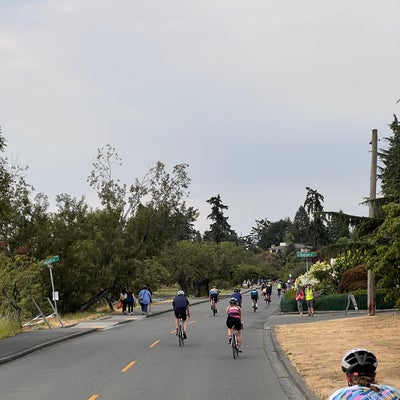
pixel 337 302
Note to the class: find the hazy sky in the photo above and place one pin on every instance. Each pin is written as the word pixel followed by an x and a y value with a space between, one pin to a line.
pixel 260 98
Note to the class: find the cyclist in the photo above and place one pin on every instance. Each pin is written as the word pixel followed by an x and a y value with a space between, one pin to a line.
pixel 234 319
pixel 359 366
pixel 238 296
pixel 254 297
pixel 180 305
pixel 214 297
pixel 279 287
pixel 268 292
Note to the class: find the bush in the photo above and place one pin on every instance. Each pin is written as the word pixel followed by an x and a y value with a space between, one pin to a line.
pixel 9 327
pixel 338 302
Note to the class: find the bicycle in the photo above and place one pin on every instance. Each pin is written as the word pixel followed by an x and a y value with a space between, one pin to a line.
pixel 213 307
pixel 234 344
pixel 254 305
pixel 181 339
pixel 268 299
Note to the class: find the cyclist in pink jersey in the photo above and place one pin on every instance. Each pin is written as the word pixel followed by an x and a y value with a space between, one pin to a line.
pixel 359 366
pixel 234 320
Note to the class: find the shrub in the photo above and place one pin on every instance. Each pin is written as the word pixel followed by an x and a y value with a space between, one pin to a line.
pixel 9 327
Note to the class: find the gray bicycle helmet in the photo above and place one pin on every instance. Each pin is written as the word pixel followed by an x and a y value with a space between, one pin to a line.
pixel 180 293
pixel 359 361
pixel 232 300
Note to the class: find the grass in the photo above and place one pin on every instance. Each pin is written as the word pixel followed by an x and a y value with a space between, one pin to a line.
pixel 316 349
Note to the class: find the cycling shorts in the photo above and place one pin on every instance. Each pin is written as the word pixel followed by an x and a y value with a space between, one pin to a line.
pixel 180 313
pixel 233 322
pixel 214 297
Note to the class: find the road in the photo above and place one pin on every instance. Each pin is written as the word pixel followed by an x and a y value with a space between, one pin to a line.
pixel 142 360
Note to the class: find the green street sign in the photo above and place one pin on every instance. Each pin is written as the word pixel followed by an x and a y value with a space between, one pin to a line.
pixel 51 260
pixel 306 254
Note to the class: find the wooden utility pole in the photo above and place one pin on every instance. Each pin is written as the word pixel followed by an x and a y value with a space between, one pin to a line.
pixel 372 196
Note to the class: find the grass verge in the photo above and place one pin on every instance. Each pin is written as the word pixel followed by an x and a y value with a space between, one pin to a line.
pixel 316 349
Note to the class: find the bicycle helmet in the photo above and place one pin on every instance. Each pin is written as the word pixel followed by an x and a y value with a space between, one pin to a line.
pixel 360 361
pixel 236 290
pixel 232 300
pixel 180 293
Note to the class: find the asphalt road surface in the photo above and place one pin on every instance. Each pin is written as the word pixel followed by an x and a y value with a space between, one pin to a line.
pixel 142 360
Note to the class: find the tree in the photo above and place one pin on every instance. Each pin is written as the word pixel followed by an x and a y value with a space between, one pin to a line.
pixel 314 207
pixel 301 226
pixel 274 233
pixel 18 277
pixel 338 227
pixel 390 171
pixel 220 229
pixel 385 253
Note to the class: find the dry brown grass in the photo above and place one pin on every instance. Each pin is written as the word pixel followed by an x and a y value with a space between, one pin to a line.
pixel 316 349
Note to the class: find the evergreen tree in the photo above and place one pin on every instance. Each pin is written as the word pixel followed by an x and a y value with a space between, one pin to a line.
pixel 301 226
pixel 390 171
pixel 314 206
pixel 220 229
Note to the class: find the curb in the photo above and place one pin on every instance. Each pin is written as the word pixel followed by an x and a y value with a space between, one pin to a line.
pixel 48 343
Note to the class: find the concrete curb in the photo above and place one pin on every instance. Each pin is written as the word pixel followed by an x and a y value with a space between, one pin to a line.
pixel 43 345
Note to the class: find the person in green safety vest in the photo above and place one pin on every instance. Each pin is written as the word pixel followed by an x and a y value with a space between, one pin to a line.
pixel 310 295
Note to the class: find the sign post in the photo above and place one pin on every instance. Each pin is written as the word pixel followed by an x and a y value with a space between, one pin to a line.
pixel 49 262
pixel 306 255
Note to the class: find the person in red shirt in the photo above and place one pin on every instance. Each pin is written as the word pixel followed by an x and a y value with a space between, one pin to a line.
pixel 300 299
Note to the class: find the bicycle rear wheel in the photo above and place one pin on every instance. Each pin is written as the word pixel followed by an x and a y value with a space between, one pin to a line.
pixel 214 310
pixel 235 348
pixel 180 335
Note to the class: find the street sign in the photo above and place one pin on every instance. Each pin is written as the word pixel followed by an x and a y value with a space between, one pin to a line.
pixel 306 254
pixel 51 260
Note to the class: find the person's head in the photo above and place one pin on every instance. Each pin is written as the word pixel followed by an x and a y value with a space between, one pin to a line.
pixel 236 290
pixel 233 301
pixel 180 293
pixel 359 365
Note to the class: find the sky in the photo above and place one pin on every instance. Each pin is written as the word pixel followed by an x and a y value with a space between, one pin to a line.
pixel 261 98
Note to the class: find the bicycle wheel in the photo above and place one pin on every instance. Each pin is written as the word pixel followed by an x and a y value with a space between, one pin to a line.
pixel 180 335
pixel 254 306
pixel 214 310
pixel 235 348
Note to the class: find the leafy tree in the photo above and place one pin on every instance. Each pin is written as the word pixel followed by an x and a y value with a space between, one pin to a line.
pixel 274 233
pixel 220 229
pixel 18 277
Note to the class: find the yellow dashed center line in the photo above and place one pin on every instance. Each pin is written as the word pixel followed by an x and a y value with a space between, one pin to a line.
pixel 94 397
pixel 154 343
pixel 130 365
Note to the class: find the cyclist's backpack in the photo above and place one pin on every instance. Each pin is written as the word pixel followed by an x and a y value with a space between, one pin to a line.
pixel 254 293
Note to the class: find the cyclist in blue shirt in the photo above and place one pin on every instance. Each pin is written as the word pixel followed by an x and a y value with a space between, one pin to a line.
pixel 237 295
pixel 254 297
pixel 180 305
